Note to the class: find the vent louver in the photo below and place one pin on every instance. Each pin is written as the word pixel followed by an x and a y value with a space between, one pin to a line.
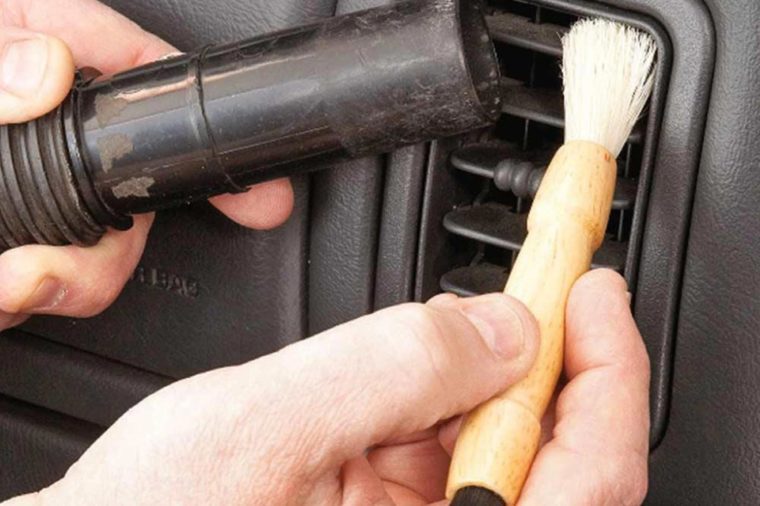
pixel 507 164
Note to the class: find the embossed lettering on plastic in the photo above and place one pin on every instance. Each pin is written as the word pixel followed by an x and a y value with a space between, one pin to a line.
pixel 160 279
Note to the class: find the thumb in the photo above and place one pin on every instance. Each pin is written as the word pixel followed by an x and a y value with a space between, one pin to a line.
pixel 36 73
pixel 395 372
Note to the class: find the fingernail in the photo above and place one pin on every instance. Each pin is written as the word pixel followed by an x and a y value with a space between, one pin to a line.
pixel 48 295
pixel 22 66
pixel 500 325
pixel 630 298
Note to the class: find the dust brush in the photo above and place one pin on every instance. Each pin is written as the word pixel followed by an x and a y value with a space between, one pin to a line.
pixel 608 75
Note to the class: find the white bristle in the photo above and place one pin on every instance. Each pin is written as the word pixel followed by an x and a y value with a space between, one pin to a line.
pixel 607 68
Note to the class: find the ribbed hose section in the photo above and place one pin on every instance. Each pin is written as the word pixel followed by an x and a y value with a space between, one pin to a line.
pixel 39 201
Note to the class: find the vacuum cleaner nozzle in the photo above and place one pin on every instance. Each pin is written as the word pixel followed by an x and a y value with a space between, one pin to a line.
pixel 222 119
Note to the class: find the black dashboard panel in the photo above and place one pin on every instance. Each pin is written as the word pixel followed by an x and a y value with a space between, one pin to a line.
pixel 70 381
pixel 38 445
pixel 711 451
pixel 207 293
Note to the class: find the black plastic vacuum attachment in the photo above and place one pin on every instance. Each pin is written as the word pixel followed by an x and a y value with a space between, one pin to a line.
pixel 228 117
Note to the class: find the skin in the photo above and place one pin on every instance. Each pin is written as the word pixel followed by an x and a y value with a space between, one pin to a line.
pixel 363 414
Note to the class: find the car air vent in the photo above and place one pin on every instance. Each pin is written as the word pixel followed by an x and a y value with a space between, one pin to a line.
pixel 503 168
pixel 478 189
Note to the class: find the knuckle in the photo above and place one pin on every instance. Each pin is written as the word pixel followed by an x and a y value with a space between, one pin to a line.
pixel 640 356
pixel 636 484
pixel 628 482
pixel 518 307
pixel 99 300
pixel 11 12
pixel 15 110
pixel 605 277
pixel 8 321
pixel 634 369
pixel 418 320
pixel 639 488
pixel 421 335
pixel 9 302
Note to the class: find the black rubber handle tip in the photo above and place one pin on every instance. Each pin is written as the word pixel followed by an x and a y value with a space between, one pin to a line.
pixel 477 496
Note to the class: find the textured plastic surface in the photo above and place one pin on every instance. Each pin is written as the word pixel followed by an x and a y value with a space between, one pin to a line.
pixel 364 229
pixel 711 450
pixel 202 296
pixel 37 446
pixel 61 378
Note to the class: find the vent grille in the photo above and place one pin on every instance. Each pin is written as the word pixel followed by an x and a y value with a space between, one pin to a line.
pixel 503 168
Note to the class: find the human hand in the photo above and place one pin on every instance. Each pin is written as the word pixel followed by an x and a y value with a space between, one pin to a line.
pixel 365 414
pixel 595 442
pixel 41 41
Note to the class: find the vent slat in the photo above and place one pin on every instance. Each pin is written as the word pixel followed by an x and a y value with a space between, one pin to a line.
pixel 491 223
pixel 537 104
pixel 475 280
pixel 529 45
pixel 542 105
pixel 483 160
pixel 522 32
pixel 496 225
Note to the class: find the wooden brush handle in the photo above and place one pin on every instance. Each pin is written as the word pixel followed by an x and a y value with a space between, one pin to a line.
pixel 566 226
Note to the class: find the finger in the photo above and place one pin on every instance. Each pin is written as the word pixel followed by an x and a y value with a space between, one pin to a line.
pixel 110 42
pixel 9 320
pixel 598 454
pixel 362 486
pixel 411 438
pixel 36 73
pixel 263 207
pixel 601 330
pixel 70 280
pixel 443 300
pixel 98 36
pixel 448 434
pixel 402 496
pixel 419 466
pixel 396 372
